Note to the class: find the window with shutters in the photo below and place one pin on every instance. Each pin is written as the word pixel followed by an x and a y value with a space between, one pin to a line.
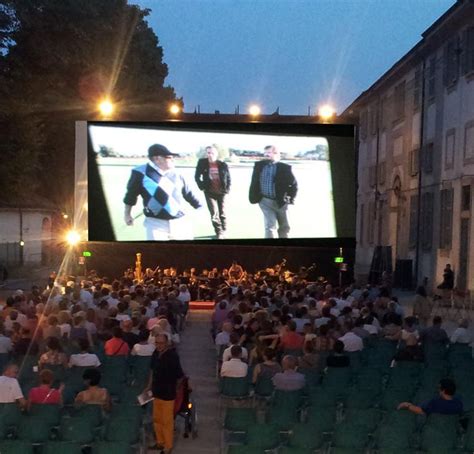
pixel 431 82
pixel 428 158
pixel 469 142
pixel 412 238
pixel 427 220
pixel 417 90
pixel 399 102
pixel 446 218
pixel 451 62
pixel 414 162
pixel 363 124
pixel 449 148
pixel 467 51
pixel 466 198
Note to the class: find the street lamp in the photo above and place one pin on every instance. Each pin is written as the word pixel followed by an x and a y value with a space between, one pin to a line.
pixel 72 238
pixel 326 112
pixel 254 110
pixel 106 107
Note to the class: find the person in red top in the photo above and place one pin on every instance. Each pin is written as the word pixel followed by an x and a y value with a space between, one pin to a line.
pixel 116 346
pixel 44 393
pixel 290 339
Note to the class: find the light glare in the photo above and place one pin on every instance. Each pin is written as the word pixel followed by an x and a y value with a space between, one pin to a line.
pixel 106 107
pixel 326 112
pixel 72 237
pixel 175 109
pixel 254 110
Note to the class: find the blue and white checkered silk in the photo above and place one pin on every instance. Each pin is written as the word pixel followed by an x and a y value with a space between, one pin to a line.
pixel 267 180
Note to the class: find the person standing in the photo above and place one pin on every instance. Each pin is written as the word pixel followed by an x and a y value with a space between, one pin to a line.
pixel 213 177
pixel 166 374
pixel 164 192
pixel 273 187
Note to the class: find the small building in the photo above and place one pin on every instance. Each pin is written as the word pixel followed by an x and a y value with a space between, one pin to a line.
pixel 26 232
pixel 416 157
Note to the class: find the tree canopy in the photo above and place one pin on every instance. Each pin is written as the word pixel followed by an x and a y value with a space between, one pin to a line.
pixel 58 58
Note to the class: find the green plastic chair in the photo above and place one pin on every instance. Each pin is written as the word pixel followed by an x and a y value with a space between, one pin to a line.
pixel 34 429
pixel 396 438
pixel 368 419
pixel 108 447
pixel 239 419
pixel 61 447
pixel 115 430
pixel 77 430
pixel 320 397
pixel 47 412
pixel 435 439
pixel 321 419
pixel 10 414
pixel 235 388
pixel 350 436
pixel 140 369
pixel 363 399
pixel 306 436
pixel 92 413
pixel 264 387
pixel 263 436
pixel 16 447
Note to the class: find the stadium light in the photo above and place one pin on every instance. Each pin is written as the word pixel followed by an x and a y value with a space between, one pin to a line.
pixel 326 112
pixel 106 107
pixel 72 237
pixel 175 109
pixel 254 110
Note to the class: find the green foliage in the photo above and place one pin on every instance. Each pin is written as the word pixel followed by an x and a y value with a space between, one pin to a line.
pixel 60 58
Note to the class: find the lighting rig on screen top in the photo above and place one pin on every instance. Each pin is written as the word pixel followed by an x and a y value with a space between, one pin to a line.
pixel 324 114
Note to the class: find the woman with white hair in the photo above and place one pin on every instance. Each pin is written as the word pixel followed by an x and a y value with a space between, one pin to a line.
pixel 461 335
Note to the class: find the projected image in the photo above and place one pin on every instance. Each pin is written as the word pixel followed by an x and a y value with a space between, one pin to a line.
pixel 168 184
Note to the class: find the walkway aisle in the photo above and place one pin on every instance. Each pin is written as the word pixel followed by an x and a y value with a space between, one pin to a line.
pixel 197 355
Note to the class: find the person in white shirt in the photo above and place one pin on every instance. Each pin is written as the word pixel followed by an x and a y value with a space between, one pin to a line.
pixel 234 340
pixel 461 335
pixel 352 342
pixel 84 359
pixel 235 367
pixel 223 338
pixel 143 348
pixel 10 390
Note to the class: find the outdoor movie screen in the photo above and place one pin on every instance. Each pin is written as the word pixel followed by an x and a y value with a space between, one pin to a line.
pixel 163 182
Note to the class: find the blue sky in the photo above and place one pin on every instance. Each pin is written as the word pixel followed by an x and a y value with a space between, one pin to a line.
pixel 283 53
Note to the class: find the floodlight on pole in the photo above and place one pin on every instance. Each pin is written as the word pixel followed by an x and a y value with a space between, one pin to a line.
pixel 326 112
pixel 106 107
pixel 254 110
pixel 175 109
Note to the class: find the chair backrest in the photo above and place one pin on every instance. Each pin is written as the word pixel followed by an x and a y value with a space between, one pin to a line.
pixel 234 387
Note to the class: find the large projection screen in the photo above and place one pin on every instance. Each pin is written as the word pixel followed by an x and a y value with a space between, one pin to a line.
pixel 321 159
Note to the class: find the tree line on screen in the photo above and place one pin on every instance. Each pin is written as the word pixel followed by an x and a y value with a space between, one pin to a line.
pixel 57 60
pixel 320 153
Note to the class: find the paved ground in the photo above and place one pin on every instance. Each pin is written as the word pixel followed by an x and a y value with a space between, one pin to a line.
pixel 198 359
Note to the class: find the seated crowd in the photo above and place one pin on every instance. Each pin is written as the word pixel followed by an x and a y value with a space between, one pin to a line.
pixel 292 335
